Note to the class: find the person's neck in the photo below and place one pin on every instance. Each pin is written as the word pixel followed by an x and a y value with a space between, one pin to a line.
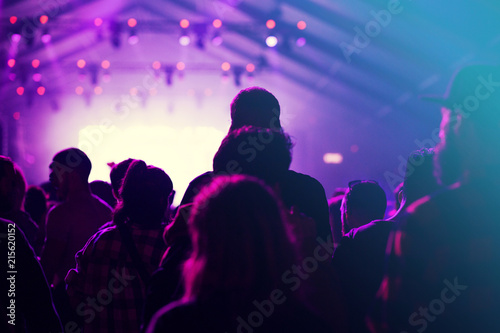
pixel 78 191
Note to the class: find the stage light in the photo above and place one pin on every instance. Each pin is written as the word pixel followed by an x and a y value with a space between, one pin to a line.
pixel 133 38
pixel 184 23
pixel 106 77
pixel 180 66
pixel 301 25
pixel 12 76
pixel 217 23
pixel 301 41
pixel 270 24
pixel 16 115
pixel 13 19
pixel 271 41
pixel 132 22
pixel 37 77
pixel 156 65
pixel 333 158
pixel 40 90
pixel 217 39
pixel 35 63
pixel 44 19
pixel 250 68
pixel 20 90
pixel 11 62
pixel 46 37
pixel 184 40
pixel 225 66
pixel 133 91
pixel 97 90
pixel 81 63
pixel 105 64
pixel 354 148
pixel 16 38
pixel 98 21
pixel 79 90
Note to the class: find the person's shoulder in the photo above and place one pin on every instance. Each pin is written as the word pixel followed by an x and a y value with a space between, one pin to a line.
pixel 101 203
pixel 173 316
pixel 303 180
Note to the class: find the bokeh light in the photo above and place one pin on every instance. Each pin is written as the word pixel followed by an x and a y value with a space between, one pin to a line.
pixel 225 66
pixel 184 23
pixel 217 23
pixel 271 41
pixel 81 63
pixel 333 158
pixel 270 24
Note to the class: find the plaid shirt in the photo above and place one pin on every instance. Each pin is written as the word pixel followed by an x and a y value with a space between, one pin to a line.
pixel 105 288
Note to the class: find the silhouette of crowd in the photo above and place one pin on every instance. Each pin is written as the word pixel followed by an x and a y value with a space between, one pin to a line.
pixel 257 247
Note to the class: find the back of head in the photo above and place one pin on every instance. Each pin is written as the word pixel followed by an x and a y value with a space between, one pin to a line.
pixel 36 203
pixel 419 177
pixel 255 106
pixel 259 152
pixel 364 200
pixel 117 174
pixel 7 184
pixel 239 240
pixel 20 187
pixel 73 161
pixel 144 195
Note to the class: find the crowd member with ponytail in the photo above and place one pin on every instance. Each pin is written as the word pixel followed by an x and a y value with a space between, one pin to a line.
pixel 108 284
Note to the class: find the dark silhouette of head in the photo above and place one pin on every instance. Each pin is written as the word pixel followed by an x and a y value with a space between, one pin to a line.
pixel 259 152
pixel 470 127
pixel 35 204
pixel 144 195
pixel 419 177
pixel 117 174
pixel 335 215
pixel 70 170
pixel 240 246
pixel 8 185
pixel 363 202
pixel 255 106
pixel 104 191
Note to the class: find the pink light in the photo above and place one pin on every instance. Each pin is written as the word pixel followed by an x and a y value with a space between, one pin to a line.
pixel 16 115
pixel 44 19
pixel 81 63
pixel 180 66
pixel 12 76
pixel 35 63
pixel 184 23
pixel 105 64
pixel 301 25
pixel 11 62
pixel 156 65
pixel 16 38
pixel 13 19
pixel 250 68
pixel 98 90
pixel 153 91
pixel 217 23
pixel 98 21
pixel 79 90
pixel 37 77
pixel 132 22
pixel 20 91
pixel 301 41
pixel 133 91
pixel 40 90
pixel 354 148
pixel 225 66
pixel 270 24
pixel 46 38
pixel 133 39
